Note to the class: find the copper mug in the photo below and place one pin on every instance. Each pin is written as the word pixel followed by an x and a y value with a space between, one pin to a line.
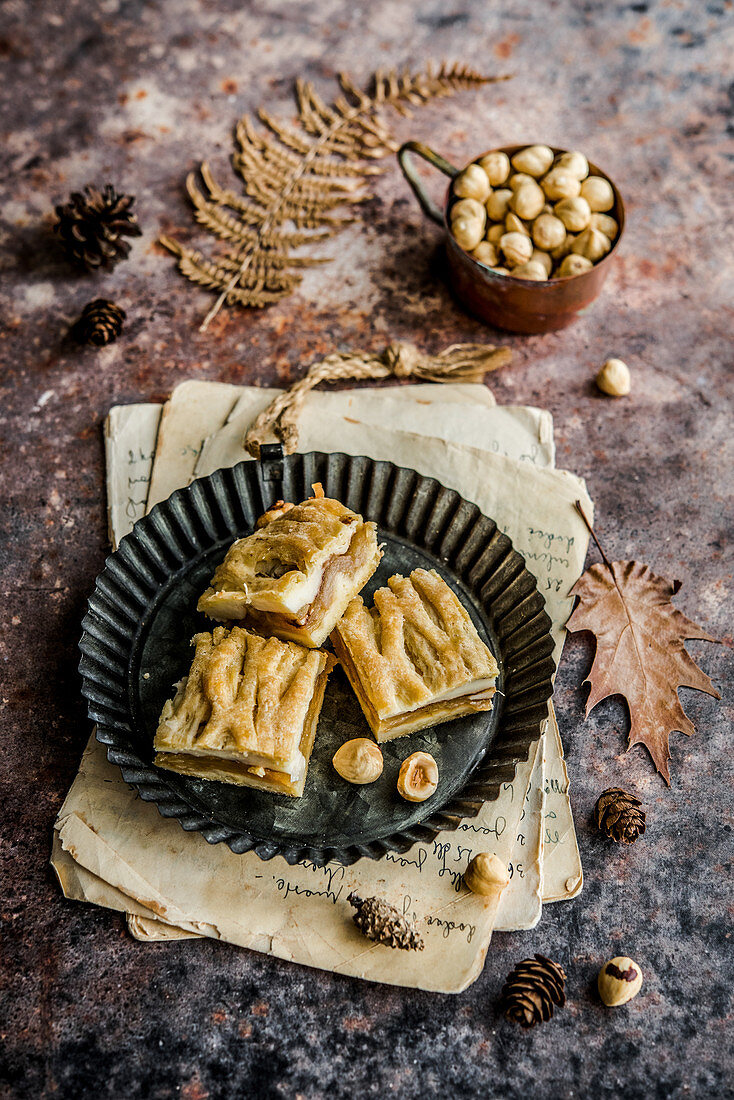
pixel 517 305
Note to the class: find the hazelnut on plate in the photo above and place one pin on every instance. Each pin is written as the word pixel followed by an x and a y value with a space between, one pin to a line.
pixel 418 777
pixel 359 761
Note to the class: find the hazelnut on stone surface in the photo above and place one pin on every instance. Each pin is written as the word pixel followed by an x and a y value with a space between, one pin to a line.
pixel 497 167
pixel 486 874
pixel 517 248
pixel 530 270
pixel 528 200
pixel 614 378
pixel 359 761
pixel 574 265
pixel 535 160
pixel 472 183
pixel 560 185
pixel 548 232
pixel 574 213
pixel 619 981
pixel 486 253
pixel 598 193
pixel 418 777
pixel 592 243
pixel 575 164
pixel 498 204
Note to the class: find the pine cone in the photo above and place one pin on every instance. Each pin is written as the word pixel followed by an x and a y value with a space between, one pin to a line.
pixel 378 920
pixel 531 990
pixel 618 815
pixel 100 323
pixel 93 225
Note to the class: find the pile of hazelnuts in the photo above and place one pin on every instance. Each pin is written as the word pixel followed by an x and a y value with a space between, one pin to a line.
pixel 534 216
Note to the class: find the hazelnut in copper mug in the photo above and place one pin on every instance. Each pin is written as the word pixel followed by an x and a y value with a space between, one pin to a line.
pixel 530 231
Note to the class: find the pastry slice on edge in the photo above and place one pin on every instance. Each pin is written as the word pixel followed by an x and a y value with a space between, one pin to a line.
pixel 246 713
pixel 294 576
pixel 415 658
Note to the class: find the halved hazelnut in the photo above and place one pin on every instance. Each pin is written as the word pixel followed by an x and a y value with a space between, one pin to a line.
pixel 418 777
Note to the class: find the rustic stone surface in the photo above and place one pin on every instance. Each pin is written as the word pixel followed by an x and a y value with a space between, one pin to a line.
pixel 136 93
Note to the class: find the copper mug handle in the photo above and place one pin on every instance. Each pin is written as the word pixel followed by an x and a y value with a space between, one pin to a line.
pixel 408 168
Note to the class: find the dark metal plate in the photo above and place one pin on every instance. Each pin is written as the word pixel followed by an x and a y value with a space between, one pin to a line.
pixel 142 614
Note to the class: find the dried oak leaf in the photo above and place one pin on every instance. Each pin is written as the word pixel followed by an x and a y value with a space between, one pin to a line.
pixel 639 651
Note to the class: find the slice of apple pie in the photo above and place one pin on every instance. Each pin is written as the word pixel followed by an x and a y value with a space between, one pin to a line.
pixel 415 658
pixel 246 713
pixel 294 576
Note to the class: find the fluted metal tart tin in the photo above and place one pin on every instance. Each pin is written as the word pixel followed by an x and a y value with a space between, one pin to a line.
pixel 142 614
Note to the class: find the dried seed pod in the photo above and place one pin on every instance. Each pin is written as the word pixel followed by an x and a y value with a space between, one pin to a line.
pixel 619 981
pixel 486 253
pixel 530 270
pixel 378 920
pixel 575 164
pixel 531 990
pixel 497 167
pixel 275 511
pixel 542 258
pixel 560 185
pixel 548 232
pixel 592 243
pixel 573 265
pixel 513 224
pixel 494 233
pixel 516 181
pixel 359 761
pixel 472 183
pixel 498 204
pixel 606 224
pixel 574 213
pixel 486 874
pixel 535 160
pixel 528 201
pixel 517 248
pixel 418 777
pixel 618 814
pixel 93 225
pixel 598 193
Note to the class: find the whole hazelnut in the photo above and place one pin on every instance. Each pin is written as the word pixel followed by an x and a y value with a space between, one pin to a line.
pixel 527 201
pixel 548 232
pixel 498 204
pixel 573 265
pixel 486 875
pixel 598 193
pixel 614 378
pixel 513 224
pixel 359 761
pixel 574 213
pixel 501 270
pixel 517 248
pixel 592 243
pixel 468 208
pixel 518 179
pixel 619 981
pixel 560 185
pixel 563 250
pixel 542 258
pixel 497 167
pixel 486 253
pixel 418 777
pixel 494 233
pixel 531 270
pixel 606 224
pixel 575 164
pixel 467 223
pixel 535 160
pixel 472 183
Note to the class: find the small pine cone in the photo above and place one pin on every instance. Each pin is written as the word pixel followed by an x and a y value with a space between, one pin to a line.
pixel 378 920
pixel 93 225
pixel 619 816
pixel 100 323
pixel 531 990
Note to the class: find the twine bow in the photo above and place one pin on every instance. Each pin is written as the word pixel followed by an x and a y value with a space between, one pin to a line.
pixel 458 363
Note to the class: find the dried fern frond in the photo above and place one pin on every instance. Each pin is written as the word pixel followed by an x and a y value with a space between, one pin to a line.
pixel 294 178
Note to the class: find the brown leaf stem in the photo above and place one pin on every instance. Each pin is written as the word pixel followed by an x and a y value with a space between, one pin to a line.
pixel 592 532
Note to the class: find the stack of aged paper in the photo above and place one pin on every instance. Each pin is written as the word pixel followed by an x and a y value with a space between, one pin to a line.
pixel 112 849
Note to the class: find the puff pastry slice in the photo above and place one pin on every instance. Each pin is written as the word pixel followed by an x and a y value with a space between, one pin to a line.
pixel 415 658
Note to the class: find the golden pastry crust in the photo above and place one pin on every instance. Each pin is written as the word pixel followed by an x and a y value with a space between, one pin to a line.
pixel 247 711
pixel 294 576
pixel 415 658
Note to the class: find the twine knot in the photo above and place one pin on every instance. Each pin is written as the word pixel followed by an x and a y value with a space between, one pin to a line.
pixel 402 360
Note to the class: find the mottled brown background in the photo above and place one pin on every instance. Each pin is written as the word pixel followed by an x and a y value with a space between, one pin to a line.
pixel 136 93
